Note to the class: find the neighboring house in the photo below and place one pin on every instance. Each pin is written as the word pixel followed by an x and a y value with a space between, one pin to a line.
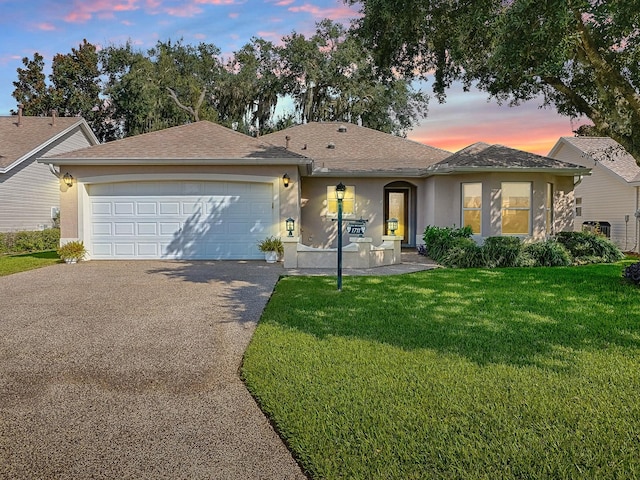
pixel 202 191
pixel 30 191
pixel 610 197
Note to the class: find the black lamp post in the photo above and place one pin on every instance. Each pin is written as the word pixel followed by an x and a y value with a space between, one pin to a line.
pixel 340 189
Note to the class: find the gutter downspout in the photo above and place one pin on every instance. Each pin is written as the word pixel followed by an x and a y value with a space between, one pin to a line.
pixel 54 172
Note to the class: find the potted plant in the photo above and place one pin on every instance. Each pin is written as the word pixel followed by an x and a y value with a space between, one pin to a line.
pixel 72 252
pixel 272 248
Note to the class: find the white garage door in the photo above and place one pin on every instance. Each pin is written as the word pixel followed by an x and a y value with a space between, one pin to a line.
pixel 179 220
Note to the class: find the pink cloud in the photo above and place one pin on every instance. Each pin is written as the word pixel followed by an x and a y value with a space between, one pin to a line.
pixel 85 11
pixel 234 15
pixel 217 2
pixel 284 3
pixel 185 11
pixel 337 13
pixel 46 26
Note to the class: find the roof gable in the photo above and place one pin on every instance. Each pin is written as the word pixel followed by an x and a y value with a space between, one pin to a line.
pixel 607 153
pixel 201 140
pixel 481 156
pixel 32 135
pixel 345 147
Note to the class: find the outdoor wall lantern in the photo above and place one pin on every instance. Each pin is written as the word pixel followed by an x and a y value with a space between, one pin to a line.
pixel 392 225
pixel 340 191
pixel 290 225
pixel 68 179
pixel 285 180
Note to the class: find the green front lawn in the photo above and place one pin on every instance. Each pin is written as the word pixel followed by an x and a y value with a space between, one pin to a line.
pixel 18 263
pixel 505 373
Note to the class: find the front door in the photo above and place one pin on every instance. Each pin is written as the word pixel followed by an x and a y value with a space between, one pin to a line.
pixel 397 206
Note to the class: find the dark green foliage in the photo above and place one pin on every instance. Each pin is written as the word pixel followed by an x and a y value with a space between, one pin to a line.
pixel 29 241
pixel 502 251
pixel 549 253
pixel 438 240
pixel 463 252
pixel 453 247
pixel 587 247
pixel 581 56
pixel 632 273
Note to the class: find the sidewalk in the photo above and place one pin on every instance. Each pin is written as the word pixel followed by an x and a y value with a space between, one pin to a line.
pixel 411 262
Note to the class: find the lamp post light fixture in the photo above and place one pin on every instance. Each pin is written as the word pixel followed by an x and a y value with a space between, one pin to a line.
pixel 392 225
pixel 340 191
pixel 290 225
pixel 285 180
pixel 68 179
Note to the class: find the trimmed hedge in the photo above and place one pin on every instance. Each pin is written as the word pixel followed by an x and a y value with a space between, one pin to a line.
pixel 587 247
pixel 29 241
pixel 453 247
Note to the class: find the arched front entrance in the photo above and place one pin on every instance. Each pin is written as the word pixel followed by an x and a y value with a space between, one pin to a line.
pixel 400 203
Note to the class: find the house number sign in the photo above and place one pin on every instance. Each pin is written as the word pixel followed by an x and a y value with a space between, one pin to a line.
pixel 357 227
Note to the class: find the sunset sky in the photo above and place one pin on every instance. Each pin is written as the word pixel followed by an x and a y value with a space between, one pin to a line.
pixel 57 26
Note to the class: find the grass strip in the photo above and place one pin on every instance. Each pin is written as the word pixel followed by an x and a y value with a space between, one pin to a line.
pixel 10 264
pixel 505 373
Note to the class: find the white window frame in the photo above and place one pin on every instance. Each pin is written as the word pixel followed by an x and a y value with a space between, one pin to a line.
pixel 503 208
pixel 470 209
pixel 549 209
pixel 578 206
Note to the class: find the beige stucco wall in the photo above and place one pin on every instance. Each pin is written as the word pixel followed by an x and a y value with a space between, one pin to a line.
pixel 443 196
pixel 319 230
pixel 71 198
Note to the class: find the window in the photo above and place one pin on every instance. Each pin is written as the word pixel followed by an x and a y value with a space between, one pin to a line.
pixel 472 206
pixel 516 208
pixel 348 203
pixel 578 206
pixel 548 209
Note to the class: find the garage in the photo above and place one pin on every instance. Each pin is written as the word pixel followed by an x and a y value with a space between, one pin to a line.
pixel 189 220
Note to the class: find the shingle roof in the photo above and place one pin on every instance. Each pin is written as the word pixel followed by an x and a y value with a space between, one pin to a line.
pixel 481 156
pixel 199 140
pixel 345 147
pixel 21 141
pixel 608 153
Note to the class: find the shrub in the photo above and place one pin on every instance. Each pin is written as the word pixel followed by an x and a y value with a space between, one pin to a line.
pixel 72 250
pixel 463 252
pixel 549 253
pixel 29 241
pixel 271 244
pixel 438 240
pixel 587 247
pixel 502 251
pixel 632 273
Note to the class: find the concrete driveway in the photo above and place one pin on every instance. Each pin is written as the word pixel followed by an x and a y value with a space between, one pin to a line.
pixel 129 370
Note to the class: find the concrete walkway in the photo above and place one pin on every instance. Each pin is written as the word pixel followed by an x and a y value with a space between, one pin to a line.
pixel 130 370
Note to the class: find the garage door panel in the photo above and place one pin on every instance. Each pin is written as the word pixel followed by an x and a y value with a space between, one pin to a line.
pixel 148 249
pixel 215 221
pixel 123 208
pixel 147 228
pixel 123 249
pixel 169 208
pixel 101 229
pixel 146 208
pixel 101 208
pixel 102 250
